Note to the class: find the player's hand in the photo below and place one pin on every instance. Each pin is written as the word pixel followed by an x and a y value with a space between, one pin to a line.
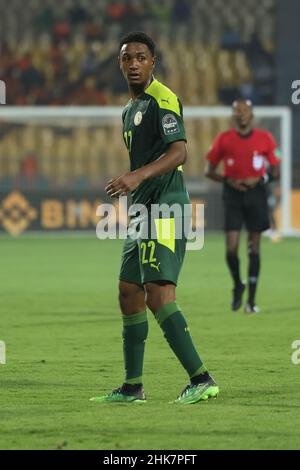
pixel 124 184
pixel 237 184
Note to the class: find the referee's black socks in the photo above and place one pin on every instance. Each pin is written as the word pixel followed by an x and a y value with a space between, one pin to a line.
pixel 234 267
pixel 253 272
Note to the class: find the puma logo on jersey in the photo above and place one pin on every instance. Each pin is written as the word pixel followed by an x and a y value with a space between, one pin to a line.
pixel 155 266
pixel 165 101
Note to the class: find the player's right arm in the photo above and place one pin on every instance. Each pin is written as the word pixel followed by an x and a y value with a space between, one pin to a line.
pixel 214 157
pixel 211 172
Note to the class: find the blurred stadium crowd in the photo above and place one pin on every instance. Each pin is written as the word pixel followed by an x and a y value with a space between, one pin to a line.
pixel 64 53
pixel 82 156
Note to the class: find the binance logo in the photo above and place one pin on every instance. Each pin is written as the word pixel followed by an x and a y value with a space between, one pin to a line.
pixel 16 214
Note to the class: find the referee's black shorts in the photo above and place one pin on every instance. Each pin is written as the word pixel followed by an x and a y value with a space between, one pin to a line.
pixel 249 208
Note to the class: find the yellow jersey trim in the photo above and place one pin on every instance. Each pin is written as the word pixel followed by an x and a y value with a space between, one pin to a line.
pixel 164 97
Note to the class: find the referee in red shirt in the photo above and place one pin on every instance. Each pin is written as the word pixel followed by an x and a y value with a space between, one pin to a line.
pixel 244 151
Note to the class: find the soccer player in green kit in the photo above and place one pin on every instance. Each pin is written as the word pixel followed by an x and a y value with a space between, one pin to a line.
pixel 154 134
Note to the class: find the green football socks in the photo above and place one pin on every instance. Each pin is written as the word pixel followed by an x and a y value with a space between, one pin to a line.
pixel 135 330
pixel 176 332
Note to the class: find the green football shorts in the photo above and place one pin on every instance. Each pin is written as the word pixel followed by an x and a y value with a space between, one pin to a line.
pixel 154 256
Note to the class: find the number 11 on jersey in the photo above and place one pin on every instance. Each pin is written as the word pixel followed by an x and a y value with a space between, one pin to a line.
pixel 128 139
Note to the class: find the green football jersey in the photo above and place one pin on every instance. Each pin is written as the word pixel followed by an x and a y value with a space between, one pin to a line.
pixel 150 124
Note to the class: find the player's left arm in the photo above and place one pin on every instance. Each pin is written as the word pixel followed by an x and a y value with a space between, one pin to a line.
pixel 174 156
pixel 273 173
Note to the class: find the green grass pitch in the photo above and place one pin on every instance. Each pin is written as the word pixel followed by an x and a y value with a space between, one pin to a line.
pixel 60 322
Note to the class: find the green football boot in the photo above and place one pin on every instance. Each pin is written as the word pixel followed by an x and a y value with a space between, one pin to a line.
pixel 122 395
pixel 195 393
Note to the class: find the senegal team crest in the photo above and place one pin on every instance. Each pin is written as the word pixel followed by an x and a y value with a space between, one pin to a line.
pixel 138 118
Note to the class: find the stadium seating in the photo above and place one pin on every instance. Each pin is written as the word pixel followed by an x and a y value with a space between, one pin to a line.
pixel 67 56
pixel 65 156
pixel 52 50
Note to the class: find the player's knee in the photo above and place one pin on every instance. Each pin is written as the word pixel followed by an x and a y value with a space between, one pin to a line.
pixel 159 295
pixel 126 293
pixel 131 297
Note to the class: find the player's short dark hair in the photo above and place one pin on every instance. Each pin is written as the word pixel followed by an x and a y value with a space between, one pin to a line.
pixel 139 36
